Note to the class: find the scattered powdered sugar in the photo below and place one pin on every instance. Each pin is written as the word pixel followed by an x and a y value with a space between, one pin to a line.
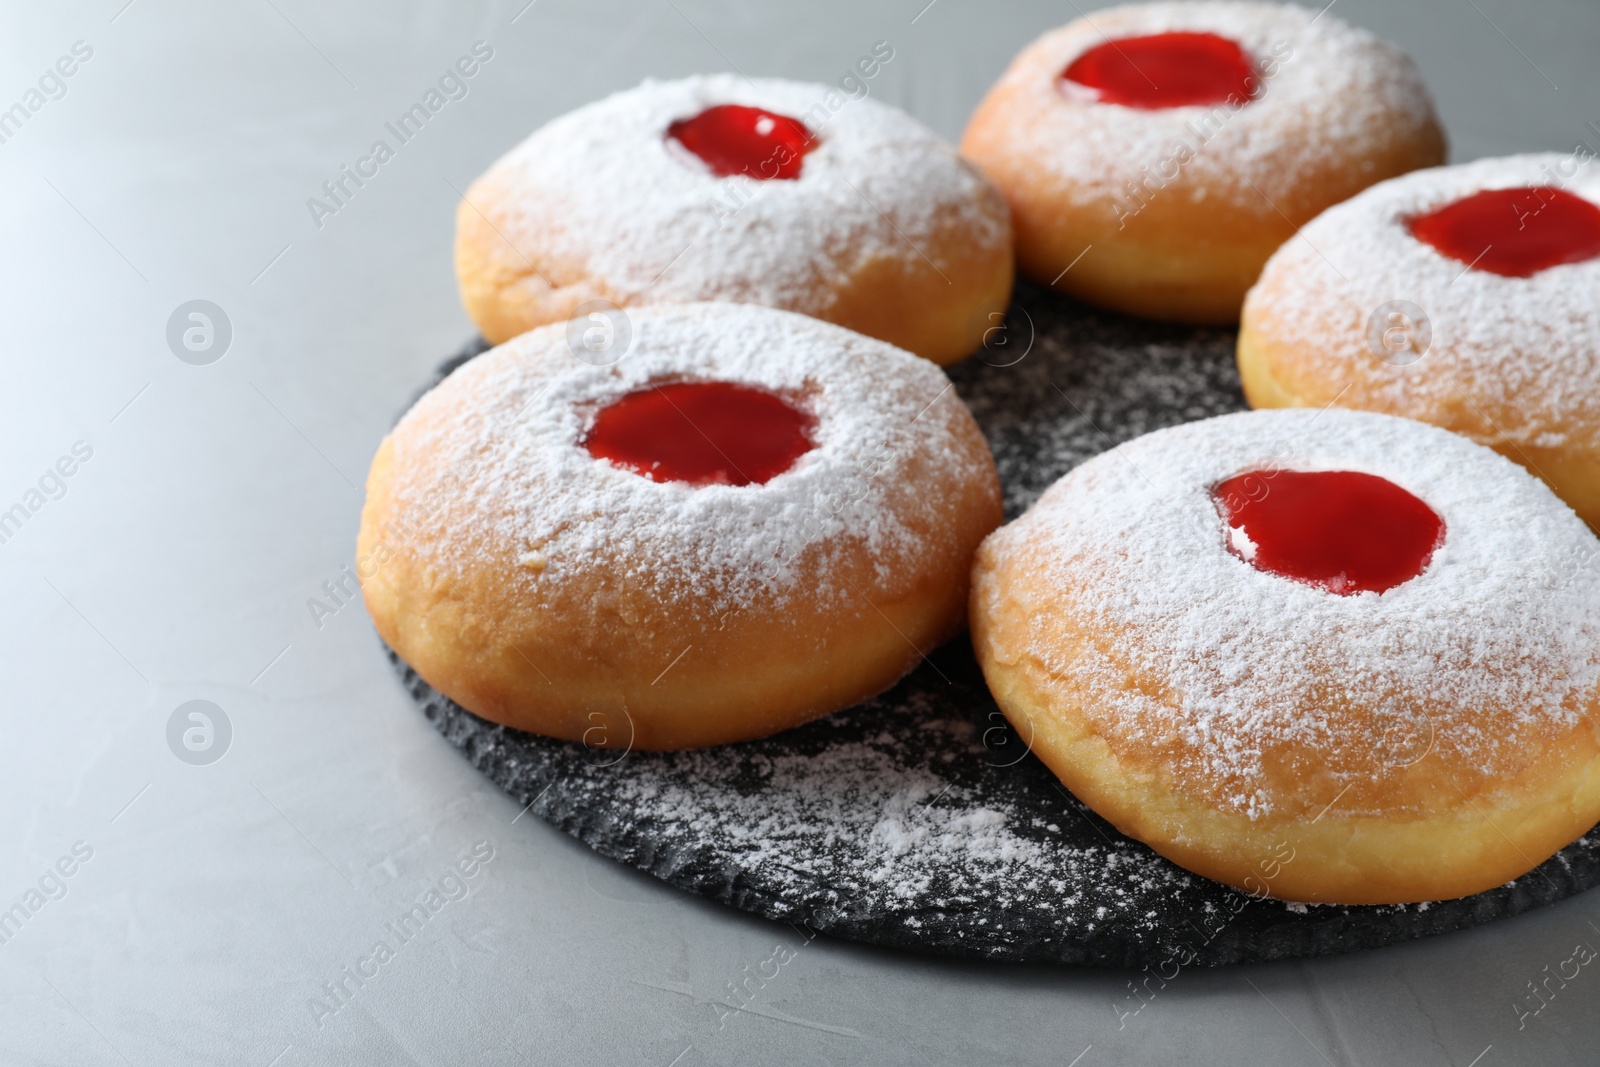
pixel 494 456
pixel 864 797
pixel 603 186
pixel 1496 643
pixel 901 820
pixel 1524 353
pixel 1335 95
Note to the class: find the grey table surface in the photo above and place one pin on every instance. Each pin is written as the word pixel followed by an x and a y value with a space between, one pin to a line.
pixel 209 907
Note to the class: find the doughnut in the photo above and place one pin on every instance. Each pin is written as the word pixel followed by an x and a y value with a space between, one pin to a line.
pixel 1155 155
pixel 715 188
pixel 751 519
pixel 1463 296
pixel 1335 657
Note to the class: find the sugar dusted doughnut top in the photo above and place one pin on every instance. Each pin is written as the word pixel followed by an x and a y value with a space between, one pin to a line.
pixel 1248 683
pixel 493 464
pixel 1518 355
pixel 1332 99
pixel 637 211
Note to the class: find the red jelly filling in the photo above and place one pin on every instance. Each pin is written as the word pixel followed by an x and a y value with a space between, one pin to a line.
pixel 734 139
pixel 1165 70
pixel 1342 531
pixel 703 433
pixel 1514 232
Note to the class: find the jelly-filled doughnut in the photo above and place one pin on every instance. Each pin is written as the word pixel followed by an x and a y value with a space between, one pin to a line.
pixel 1155 155
pixel 1324 656
pixel 751 519
pixel 1465 296
pixel 763 192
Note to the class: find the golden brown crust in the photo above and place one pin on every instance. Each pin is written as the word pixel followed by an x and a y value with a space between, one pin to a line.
pixel 505 289
pixel 1432 741
pixel 585 648
pixel 613 667
pixel 886 231
pixel 1459 834
pixel 937 312
pixel 1187 257
pixel 1188 248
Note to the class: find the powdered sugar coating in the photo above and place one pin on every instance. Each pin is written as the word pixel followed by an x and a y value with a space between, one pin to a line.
pixel 1332 96
pixel 1495 644
pixel 494 457
pixel 604 186
pixel 1518 358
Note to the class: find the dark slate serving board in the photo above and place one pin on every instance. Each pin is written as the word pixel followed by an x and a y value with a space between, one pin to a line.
pixel 919 820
